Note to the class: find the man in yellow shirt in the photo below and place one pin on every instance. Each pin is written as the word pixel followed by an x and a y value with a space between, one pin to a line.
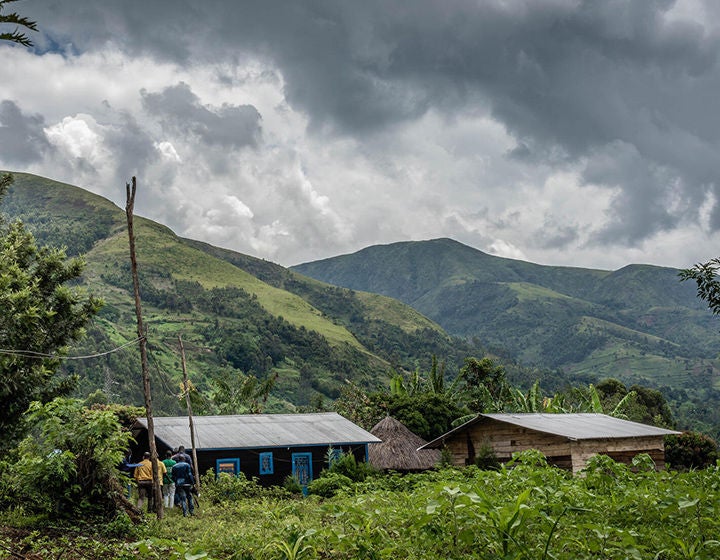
pixel 144 479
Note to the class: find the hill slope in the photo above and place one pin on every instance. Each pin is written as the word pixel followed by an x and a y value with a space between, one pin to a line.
pixel 639 323
pixel 235 313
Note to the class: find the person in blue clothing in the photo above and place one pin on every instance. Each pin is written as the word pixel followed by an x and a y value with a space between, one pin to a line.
pixel 181 453
pixel 127 467
pixel 184 480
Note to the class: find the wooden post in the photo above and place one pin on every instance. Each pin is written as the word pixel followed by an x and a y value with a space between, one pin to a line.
pixel 141 331
pixel 186 390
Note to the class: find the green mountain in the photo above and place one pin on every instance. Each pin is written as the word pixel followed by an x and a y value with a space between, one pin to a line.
pixel 639 324
pixel 238 316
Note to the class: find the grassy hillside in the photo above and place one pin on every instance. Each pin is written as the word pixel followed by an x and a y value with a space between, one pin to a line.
pixel 236 314
pixel 639 324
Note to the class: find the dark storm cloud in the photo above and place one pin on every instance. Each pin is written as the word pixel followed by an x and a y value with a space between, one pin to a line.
pixel 570 80
pixel 22 138
pixel 180 110
pixel 132 147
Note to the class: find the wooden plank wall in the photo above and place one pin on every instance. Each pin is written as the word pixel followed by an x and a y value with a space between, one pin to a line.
pixel 507 439
pixel 621 450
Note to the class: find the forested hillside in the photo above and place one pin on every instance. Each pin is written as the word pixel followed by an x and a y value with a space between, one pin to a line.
pixel 247 324
pixel 639 324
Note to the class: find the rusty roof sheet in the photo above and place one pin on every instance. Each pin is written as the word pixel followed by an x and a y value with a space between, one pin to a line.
pixel 245 431
pixel 574 426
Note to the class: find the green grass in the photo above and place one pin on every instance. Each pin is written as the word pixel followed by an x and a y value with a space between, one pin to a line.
pixel 158 246
pixel 530 512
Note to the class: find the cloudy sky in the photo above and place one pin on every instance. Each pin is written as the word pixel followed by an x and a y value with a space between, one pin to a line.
pixel 566 132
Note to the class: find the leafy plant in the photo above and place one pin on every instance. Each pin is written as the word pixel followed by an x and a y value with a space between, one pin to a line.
pixel 69 465
pixel 294 547
pixel 328 484
pixel 690 450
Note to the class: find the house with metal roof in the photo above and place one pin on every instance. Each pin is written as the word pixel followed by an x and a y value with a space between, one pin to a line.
pixel 267 446
pixel 567 440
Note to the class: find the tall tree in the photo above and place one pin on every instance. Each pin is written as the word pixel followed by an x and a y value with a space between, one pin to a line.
pixel 13 18
pixel 39 317
pixel 485 386
pixel 708 284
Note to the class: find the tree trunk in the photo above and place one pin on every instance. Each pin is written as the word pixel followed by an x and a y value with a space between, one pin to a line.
pixel 141 332
pixel 186 390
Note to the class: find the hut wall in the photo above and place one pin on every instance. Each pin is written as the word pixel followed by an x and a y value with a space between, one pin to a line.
pixel 250 458
pixel 622 450
pixel 505 439
pixel 281 457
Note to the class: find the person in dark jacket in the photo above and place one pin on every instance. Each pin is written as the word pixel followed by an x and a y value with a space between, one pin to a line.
pixel 184 480
pixel 182 453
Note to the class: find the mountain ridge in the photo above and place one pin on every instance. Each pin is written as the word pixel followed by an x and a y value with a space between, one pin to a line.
pixel 533 312
pixel 238 315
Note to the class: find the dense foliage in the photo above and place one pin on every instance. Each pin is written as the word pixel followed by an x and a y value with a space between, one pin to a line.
pixel 41 315
pixel 68 467
pixel 529 512
pixel 691 450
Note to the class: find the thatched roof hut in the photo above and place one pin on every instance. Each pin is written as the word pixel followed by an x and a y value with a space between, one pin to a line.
pixel 399 448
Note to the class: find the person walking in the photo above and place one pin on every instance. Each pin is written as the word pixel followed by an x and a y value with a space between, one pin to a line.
pixel 127 467
pixel 184 480
pixel 168 483
pixel 144 479
pixel 181 453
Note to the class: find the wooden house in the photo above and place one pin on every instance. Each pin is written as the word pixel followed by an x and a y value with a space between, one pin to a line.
pixel 567 440
pixel 267 446
pixel 398 450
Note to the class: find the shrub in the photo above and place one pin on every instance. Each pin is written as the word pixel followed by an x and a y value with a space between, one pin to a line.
pixel 329 484
pixel 347 465
pixel 292 485
pixel 690 450
pixel 69 467
pixel 228 488
pixel 486 459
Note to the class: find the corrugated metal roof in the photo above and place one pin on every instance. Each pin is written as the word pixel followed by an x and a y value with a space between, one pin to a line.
pixel 581 425
pixel 574 426
pixel 244 431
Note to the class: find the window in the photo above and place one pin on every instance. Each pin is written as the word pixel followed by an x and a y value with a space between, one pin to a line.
pixel 266 463
pixel 229 466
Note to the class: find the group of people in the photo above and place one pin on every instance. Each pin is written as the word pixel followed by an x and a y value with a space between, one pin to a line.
pixel 176 478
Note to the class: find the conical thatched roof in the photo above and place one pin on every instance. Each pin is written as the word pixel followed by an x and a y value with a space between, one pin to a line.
pixel 398 450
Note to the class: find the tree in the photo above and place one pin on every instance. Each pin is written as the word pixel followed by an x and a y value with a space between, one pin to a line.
pixel 39 317
pixel 68 466
pixel 708 285
pixel 485 386
pixel 237 393
pixel 13 18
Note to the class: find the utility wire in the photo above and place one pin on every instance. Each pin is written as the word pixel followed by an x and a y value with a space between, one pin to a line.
pixel 41 355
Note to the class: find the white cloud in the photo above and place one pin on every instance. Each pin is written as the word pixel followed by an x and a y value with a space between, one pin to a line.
pixel 343 127
pixel 168 151
pixel 76 137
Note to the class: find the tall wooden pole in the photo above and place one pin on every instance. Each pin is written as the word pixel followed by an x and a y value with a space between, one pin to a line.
pixel 186 390
pixel 157 491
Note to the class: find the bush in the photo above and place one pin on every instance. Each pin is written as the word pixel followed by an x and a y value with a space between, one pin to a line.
pixel 690 450
pixel 292 485
pixel 228 488
pixel 329 484
pixel 347 465
pixel 69 467
pixel 486 459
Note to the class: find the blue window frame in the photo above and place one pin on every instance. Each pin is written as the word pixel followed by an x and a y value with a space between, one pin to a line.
pixel 266 463
pixel 230 466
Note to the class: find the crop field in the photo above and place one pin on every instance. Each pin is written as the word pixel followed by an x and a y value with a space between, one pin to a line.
pixel 530 511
